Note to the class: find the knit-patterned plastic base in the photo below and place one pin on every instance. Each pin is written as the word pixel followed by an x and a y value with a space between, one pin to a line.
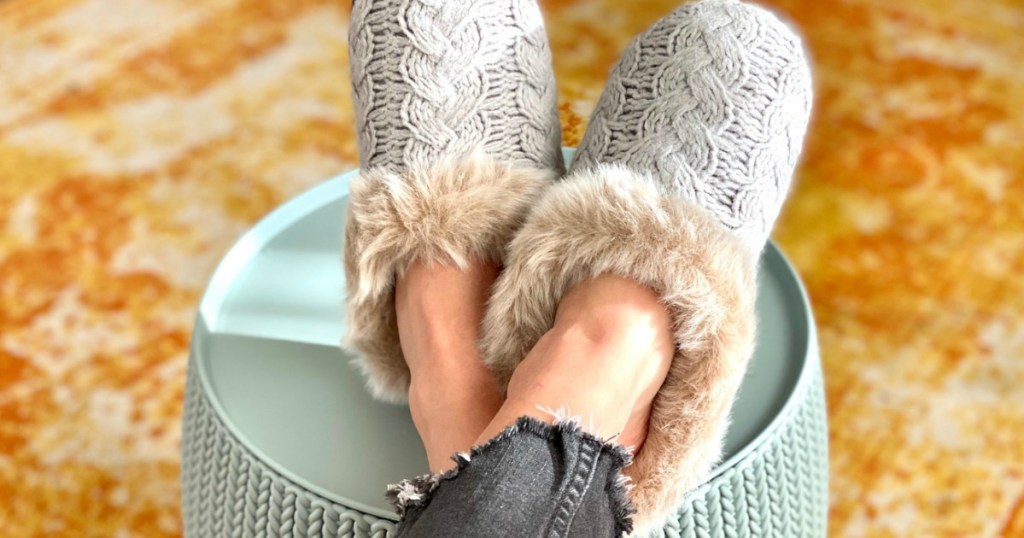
pixel 778 489
pixel 228 491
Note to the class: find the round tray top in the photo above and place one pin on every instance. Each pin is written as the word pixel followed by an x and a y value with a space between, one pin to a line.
pixel 266 346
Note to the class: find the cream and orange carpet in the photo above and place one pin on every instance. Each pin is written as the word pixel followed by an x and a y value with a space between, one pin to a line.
pixel 139 138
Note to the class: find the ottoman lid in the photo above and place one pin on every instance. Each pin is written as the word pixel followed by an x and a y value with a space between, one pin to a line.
pixel 266 346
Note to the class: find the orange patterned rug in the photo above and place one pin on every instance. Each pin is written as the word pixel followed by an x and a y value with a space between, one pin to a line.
pixel 139 138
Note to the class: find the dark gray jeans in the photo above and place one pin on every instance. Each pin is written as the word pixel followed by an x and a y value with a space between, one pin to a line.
pixel 532 480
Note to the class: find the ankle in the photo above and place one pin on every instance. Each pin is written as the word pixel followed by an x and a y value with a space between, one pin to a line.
pixel 438 309
pixel 628 346
pixel 605 358
pixel 570 369
pixel 612 308
pixel 569 356
pixel 441 380
pixel 449 410
pixel 427 288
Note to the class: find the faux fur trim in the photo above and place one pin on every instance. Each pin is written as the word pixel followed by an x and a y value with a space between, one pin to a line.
pixel 613 220
pixel 450 210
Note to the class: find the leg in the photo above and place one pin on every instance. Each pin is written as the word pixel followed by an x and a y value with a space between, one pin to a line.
pixel 537 475
pixel 452 395
pixel 603 360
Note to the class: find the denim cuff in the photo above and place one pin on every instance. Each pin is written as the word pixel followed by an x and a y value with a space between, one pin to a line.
pixel 576 472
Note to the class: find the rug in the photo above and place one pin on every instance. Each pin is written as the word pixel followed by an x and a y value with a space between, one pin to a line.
pixel 138 139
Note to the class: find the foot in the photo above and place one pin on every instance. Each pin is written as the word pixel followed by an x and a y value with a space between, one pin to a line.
pixel 452 395
pixel 603 360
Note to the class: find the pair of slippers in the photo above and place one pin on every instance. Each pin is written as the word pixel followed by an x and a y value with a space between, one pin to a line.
pixel 682 171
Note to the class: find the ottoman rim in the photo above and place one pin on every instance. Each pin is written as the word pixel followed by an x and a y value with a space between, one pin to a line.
pixel 252 241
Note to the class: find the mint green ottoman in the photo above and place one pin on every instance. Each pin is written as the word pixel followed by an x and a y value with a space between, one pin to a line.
pixel 279 437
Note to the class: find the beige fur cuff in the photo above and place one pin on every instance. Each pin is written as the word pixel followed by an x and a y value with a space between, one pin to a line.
pixel 613 220
pixel 449 210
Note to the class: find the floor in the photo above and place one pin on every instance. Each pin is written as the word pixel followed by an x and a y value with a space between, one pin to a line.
pixel 138 141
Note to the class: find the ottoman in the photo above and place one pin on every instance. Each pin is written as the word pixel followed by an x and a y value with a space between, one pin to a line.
pixel 280 438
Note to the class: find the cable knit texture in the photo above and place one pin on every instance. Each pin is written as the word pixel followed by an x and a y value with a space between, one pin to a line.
pixel 458 132
pixel 714 100
pixel 679 177
pixel 446 77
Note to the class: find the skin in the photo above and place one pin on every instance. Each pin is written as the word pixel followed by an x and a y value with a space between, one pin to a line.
pixel 452 395
pixel 604 359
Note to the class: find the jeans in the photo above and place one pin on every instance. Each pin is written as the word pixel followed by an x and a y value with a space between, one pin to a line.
pixel 532 480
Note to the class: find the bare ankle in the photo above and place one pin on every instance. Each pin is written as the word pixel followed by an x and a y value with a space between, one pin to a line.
pixel 452 395
pixel 438 309
pixel 604 359
pixel 450 411
pixel 613 308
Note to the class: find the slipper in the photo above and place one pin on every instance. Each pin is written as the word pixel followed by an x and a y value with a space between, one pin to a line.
pixel 678 180
pixel 457 120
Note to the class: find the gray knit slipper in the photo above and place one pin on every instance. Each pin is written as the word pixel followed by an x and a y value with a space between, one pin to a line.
pixel 458 134
pixel 679 178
